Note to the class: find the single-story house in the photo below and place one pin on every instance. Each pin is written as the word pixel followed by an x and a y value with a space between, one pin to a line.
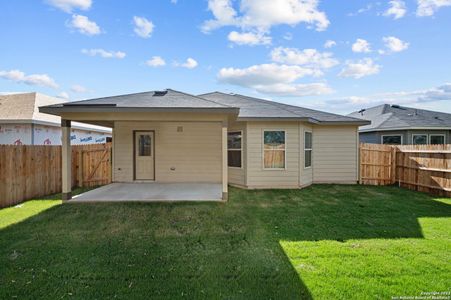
pixel 21 123
pixel 400 125
pixel 170 136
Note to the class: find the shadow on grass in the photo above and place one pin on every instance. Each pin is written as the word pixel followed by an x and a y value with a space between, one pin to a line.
pixel 27 209
pixel 197 250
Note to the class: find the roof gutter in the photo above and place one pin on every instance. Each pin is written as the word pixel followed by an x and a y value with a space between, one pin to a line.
pixel 99 109
pixel 404 128
pixel 357 122
pixel 305 119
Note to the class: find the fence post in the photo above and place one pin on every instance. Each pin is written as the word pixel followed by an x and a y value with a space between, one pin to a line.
pixel 80 168
pixel 360 163
pixel 393 165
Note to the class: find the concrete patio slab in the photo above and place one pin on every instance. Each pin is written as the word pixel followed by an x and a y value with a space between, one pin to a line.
pixel 152 192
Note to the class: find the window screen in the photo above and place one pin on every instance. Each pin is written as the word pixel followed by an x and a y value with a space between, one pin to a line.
pixel 419 139
pixel 274 149
pixel 437 139
pixel 392 140
pixel 307 149
pixel 234 149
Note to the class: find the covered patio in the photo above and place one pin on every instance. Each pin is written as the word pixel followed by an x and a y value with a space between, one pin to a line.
pixel 152 192
pixel 167 146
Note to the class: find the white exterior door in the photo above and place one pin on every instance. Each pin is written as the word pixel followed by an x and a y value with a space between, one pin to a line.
pixel 144 155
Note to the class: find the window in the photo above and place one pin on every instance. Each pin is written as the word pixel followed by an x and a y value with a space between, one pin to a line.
pixel 392 139
pixel 274 149
pixel 234 152
pixel 145 145
pixel 436 139
pixel 419 139
pixel 307 149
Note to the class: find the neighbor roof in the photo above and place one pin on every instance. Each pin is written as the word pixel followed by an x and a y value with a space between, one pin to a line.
pixel 394 117
pixel 148 101
pixel 254 108
pixel 24 108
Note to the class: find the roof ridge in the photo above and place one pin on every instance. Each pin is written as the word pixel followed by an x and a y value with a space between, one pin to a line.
pixel 386 119
pixel 98 98
pixel 257 100
pixel 278 104
pixel 200 98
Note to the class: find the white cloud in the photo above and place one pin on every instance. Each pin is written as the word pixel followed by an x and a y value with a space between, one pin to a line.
pixel 263 14
pixel 310 58
pixel 394 44
pixel 397 9
pixel 156 61
pixel 190 63
pixel 361 45
pixel 104 53
pixel 63 95
pixel 295 90
pixel 273 79
pixel 33 79
pixel 360 68
pixel 263 74
pixel 427 8
pixel 249 38
pixel 362 10
pixel 76 88
pixel 330 44
pixel 84 25
pixel 288 36
pixel 143 27
pixel 69 5
pixel 414 98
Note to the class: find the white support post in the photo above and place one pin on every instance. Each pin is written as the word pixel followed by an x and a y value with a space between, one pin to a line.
pixel 66 152
pixel 225 179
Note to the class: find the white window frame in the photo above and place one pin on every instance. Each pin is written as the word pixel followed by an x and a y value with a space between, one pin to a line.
pixel 416 134
pixel 263 150
pixel 241 149
pixel 311 150
pixel 382 138
pixel 437 134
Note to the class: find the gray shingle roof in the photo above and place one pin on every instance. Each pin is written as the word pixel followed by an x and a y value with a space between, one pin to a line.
pixel 153 99
pixel 247 108
pixel 386 117
pixel 254 108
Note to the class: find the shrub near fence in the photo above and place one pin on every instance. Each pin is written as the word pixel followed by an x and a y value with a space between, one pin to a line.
pixel 33 171
pixel 425 168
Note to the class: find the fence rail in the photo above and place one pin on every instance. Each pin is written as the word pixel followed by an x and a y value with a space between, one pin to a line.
pixel 34 171
pixel 425 168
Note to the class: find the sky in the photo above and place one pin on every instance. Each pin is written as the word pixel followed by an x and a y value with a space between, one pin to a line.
pixel 336 56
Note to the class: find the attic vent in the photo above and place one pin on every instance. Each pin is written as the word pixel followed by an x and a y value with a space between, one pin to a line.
pixel 159 93
pixel 395 106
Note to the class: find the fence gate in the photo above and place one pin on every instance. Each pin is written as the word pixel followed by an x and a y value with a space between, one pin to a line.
pixel 377 164
pixel 94 166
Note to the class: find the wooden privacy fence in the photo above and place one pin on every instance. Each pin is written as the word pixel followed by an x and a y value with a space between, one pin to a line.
pixel 425 168
pixel 33 171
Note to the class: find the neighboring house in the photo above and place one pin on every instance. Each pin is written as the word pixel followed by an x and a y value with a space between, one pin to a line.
pixel 21 123
pixel 170 136
pixel 400 125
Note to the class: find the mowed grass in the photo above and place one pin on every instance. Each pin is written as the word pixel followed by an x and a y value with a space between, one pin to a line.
pixel 322 242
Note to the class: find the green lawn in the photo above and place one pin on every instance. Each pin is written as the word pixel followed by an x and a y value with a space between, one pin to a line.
pixel 322 242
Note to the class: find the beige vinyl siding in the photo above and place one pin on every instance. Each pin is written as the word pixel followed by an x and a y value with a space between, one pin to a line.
pixel 335 154
pixel 237 175
pixel 195 153
pixel 256 175
pixel 306 177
